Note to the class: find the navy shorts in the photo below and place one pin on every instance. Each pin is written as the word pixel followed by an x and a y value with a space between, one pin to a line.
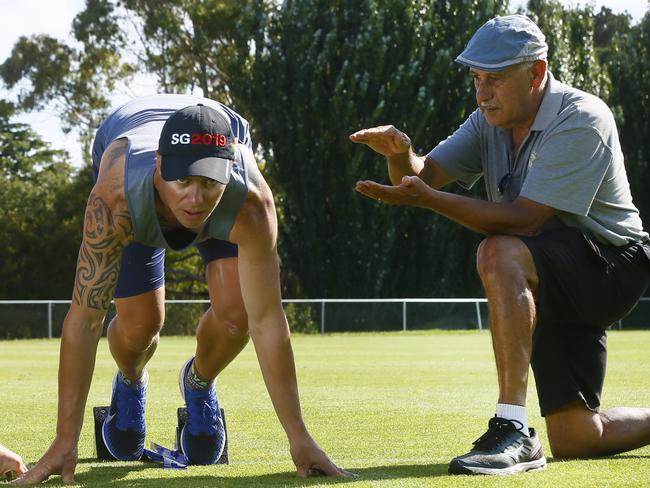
pixel 143 267
pixel 584 287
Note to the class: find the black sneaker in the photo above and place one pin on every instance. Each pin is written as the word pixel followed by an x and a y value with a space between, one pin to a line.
pixel 503 449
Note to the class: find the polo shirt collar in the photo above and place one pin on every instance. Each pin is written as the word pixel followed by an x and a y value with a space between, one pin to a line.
pixel 551 104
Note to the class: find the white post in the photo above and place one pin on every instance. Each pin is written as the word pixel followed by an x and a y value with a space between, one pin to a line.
pixel 49 320
pixel 322 316
pixel 478 315
pixel 404 316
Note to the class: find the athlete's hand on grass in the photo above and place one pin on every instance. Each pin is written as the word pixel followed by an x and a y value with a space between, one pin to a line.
pixel 411 191
pixel 311 460
pixel 11 464
pixel 385 139
pixel 57 460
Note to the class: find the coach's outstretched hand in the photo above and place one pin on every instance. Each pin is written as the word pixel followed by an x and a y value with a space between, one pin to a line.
pixel 57 460
pixel 10 462
pixel 411 191
pixel 311 460
pixel 385 140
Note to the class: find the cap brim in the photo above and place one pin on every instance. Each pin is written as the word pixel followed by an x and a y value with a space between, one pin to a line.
pixel 494 67
pixel 176 168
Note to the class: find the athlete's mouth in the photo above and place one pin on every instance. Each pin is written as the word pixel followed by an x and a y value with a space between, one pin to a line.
pixel 194 214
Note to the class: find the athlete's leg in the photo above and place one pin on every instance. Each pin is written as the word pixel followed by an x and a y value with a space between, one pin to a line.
pixel 222 333
pixel 223 330
pixel 133 334
pixel 132 339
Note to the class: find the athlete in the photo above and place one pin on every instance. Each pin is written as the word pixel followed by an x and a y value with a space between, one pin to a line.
pixel 174 171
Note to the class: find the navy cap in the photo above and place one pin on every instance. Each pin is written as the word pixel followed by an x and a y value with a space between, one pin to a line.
pixel 197 141
pixel 502 42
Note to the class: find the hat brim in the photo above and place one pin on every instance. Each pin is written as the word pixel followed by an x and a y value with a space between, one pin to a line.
pixel 176 168
pixel 495 67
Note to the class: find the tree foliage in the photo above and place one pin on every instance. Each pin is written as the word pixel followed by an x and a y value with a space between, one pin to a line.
pixel 322 70
pixel 42 207
pixel 629 66
pixel 74 81
pixel 570 36
pixel 308 73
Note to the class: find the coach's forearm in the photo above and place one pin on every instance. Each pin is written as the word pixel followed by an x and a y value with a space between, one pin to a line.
pixel 275 355
pixel 79 340
pixel 404 164
pixel 485 217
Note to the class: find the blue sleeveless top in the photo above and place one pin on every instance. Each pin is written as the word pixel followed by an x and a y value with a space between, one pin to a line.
pixel 140 121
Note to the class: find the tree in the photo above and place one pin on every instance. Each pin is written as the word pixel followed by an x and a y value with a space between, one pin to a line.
pixel 570 36
pixel 76 82
pixel 322 70
pixel 42 211
pixel 308 73
pixel 629 67
pixel 298 70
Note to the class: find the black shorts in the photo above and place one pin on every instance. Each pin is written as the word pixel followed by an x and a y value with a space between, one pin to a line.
pixel 584 287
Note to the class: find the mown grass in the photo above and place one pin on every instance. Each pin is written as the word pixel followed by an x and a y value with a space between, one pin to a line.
pixel 393 408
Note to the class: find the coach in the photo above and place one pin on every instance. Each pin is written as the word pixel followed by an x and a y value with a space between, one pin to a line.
pixel 566 254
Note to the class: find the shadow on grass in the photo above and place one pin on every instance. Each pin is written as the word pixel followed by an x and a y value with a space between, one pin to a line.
pixel 110 474
pixel 551 460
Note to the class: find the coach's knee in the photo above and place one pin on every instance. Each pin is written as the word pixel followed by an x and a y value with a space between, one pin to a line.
pixel 584 445
pixel 501 257
pixel 575 432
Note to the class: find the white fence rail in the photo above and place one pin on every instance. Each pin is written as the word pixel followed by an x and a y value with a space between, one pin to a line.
pixel 322 303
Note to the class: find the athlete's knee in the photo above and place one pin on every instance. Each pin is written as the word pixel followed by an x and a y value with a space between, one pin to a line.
pixel 232 317
pixel 140 334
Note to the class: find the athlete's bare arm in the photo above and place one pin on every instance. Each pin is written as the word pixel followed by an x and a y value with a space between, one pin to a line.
pixel 107 230
pixel 255 232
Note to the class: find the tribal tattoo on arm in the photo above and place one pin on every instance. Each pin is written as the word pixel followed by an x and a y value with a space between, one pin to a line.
pixel 106 233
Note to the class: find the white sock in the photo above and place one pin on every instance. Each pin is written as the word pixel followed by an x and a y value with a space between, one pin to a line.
pixel 516 413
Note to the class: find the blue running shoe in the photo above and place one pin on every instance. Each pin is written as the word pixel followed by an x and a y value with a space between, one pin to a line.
pixel 204 436
pixel 124 428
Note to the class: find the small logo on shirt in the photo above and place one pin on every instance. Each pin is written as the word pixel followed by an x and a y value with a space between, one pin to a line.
pixel 218 140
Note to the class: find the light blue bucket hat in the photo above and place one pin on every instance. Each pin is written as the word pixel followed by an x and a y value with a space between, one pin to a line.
pixel 502 42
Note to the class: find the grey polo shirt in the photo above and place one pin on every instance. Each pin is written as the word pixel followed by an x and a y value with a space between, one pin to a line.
pixel 571 160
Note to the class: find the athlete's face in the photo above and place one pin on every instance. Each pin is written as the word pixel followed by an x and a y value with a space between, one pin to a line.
pixel 191 200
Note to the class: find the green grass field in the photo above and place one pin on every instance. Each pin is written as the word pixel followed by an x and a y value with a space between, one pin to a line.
pixel 393 408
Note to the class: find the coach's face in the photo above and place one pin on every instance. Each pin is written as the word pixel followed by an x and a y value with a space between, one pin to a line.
pixel 508 98
pixel 190 200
